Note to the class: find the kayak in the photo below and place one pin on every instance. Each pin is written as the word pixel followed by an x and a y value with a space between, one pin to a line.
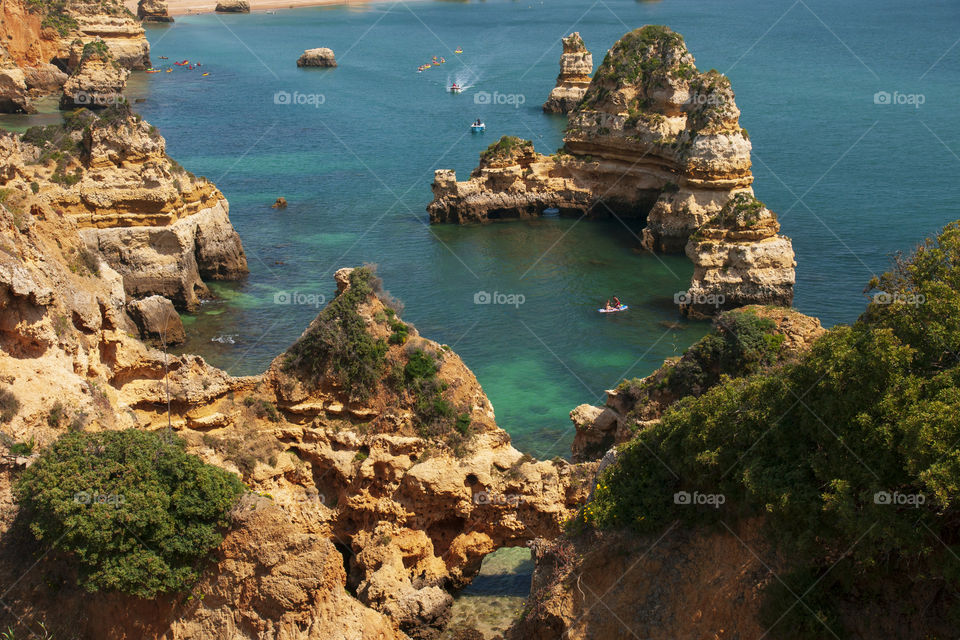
pixel 622 307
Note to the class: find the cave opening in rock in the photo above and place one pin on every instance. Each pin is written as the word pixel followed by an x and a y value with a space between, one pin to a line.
pixel 497 594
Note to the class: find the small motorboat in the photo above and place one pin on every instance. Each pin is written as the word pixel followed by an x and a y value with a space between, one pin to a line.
pixel 478 127
pixel 164 58
pixel 455 88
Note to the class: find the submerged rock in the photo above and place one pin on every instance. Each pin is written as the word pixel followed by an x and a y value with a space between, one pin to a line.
pixel 576 65
pixel 320 57
pixel 281 203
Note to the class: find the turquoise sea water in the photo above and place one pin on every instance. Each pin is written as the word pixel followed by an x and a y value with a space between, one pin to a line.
pixel 852 180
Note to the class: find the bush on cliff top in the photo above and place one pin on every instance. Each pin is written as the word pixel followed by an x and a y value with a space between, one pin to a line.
pixel 850 453
pixel 338 342
pixel 136 512
pixel 506 148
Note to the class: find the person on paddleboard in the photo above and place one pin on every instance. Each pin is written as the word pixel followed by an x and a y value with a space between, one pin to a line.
pixel 616 302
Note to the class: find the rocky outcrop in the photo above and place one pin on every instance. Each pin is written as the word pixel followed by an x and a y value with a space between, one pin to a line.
pixel 161 228
pixel 371 511
pixel 640 403
pixel 652 138
pixel 739 259
pixel 233 6
pixel 320 57
pixel 153 11
pixel 157 319
pixel 576 65
pixel 614 586
pixel 43 39
pixel 97 82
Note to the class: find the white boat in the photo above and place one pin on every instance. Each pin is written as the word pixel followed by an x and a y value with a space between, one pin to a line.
pixel 455 88
pixel 478 128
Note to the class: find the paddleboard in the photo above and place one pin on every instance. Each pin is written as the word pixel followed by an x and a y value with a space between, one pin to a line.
pixel 614 310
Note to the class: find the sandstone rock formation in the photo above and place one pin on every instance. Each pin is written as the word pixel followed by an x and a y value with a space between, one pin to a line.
pixel 373 514
pixel 164 230
pixel 652 138
pixel 157 319
pixel 153 11
pixel 97 82
pixel 576 65
pixel 233 6
pixel 281 203
pixel 320 57
pixel 42 39
pixel 739 259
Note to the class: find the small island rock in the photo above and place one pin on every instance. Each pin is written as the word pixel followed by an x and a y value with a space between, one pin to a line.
pixel 233 6
pixel 320 57
pixel 153 11
pixel 281 203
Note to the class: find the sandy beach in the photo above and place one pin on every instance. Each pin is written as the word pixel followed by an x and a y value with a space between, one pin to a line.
pixel 183 7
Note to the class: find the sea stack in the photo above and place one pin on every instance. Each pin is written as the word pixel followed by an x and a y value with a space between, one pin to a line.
pixel 153 11
pixel 319 57
pixel 652 138
pixel 233 6
pixel 576 65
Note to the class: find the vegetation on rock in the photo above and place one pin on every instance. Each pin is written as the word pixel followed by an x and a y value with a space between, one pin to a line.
pixel 506 149
pixel 849 452
pixel 135 511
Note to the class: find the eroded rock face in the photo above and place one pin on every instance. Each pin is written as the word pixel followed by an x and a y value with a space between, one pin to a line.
pixel 157 319
pixel 362 499
pixel 14 96
pixel 164 230
pixel 652 137
pixel 320 57
pixel 576 65
pixel 153 11
pixel 739 259
pixel 97 82
pixel 233 6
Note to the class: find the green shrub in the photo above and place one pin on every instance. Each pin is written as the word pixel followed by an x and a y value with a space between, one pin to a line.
pixel 820 446
pixel 9 405
pixel 338 342
pixel 23 448
pixel 57 415
pixel 135 511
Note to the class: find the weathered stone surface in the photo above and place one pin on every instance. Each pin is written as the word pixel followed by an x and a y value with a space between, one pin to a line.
pixel 157 319
pixel 233 6
pixel 153 11
pixel 14 97
pixel 97 82
pixel 576 65
pixel 320 57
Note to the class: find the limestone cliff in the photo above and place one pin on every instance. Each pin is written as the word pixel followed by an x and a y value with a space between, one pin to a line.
pixel 40 39
pixel 378 494
pixel 164 230
pixel 653 137
pixel 97 81
pixel 576 65
pixel 153 11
